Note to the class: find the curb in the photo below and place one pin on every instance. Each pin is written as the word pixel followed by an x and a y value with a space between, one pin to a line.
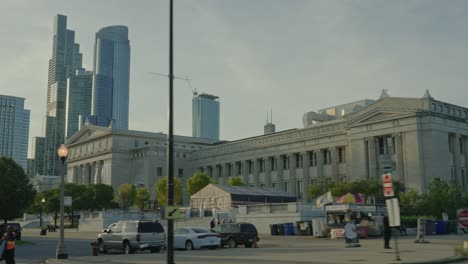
pixel 436 261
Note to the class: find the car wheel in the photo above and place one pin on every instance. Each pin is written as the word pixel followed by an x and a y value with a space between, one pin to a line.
pixel 189 245
pixel 102 248
pixel 232 243
pixel 127 248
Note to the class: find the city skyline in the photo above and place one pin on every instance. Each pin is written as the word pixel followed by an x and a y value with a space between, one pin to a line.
pixel 291 57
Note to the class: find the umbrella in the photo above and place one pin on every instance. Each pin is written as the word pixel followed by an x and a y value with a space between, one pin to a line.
pixel 350 198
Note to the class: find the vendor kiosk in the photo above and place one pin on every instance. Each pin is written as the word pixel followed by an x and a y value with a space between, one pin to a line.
pixel 366 216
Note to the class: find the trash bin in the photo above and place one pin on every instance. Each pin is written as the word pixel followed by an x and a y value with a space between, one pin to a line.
pixel 288 229
pixel 274 230
pixel 43 231
pixel 430 227
pixel 441 227
pixel 280 229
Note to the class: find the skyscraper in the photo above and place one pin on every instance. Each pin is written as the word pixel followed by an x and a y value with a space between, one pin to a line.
pixel 78 102
pixel 111 78
pixel 66 58
pixel 14 129
pixel 205 116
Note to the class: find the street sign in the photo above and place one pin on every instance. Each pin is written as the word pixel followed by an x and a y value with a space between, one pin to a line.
pixel 388 185
pixel 173 212
pixel 462 217
pixel 393 211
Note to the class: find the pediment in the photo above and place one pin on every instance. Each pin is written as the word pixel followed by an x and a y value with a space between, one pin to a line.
pixel 86 133
pixel 378 116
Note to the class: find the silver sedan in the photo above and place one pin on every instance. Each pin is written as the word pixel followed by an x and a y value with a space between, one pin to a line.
pixel 190 238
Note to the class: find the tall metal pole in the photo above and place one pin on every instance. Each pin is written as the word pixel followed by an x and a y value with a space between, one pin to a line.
pixel 61 249
pixel 170 150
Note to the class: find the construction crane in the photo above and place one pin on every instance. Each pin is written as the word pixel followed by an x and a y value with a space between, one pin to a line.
pixel 187 79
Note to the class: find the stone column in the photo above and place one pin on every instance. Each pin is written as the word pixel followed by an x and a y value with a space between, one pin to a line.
pixel 305 175
pixel 245 172
pixel 266 162
pixel 372 158
pixel 256 172
pixel 292 174
pixel 399 157
pixel 279 171
pixel 319 163
pixel 456 158
pixel 225 173
pixel 334 163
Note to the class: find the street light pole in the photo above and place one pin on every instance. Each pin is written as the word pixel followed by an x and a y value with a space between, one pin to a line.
pixel 170 150
pixel 42 211
pixel 61 249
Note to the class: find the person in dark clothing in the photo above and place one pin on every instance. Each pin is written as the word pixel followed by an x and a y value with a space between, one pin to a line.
pixel 387 232
pixel 9 253
pixel 212 223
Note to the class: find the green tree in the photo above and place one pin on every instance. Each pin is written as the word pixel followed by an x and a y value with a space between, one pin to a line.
pixel 52 203
pixel 142 197
pixel 320 186
pixel 197 182
pixel 411 203
pixel 236 181
pixel 437 200
pixel 161 191
pixel 16 193
pixel 82 199
pixel 103 196
pixel 126 195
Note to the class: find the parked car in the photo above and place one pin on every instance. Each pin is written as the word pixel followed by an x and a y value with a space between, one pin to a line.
pixel 191 238
pixel 234 234
pixel 132 235
pixel 16 226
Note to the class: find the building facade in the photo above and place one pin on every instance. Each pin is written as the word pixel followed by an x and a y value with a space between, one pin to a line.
pixel 14 129
pixel 66 58
pixel 205 116
pixel 78 100
pixel 111 80
pixel 416 139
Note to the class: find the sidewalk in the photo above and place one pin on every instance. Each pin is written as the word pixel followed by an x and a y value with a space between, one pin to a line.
pixel 296 249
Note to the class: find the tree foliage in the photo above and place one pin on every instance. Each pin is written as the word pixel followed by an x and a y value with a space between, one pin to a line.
pixel 16 193
pixel 161 191
pixel 142 198
pixel 197 182
pixel 126 195
pixel 236 181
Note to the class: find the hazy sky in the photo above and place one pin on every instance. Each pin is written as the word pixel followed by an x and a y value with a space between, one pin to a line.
pixel 290 56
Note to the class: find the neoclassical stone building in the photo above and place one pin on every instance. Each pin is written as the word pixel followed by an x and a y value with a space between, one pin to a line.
pixel 417 139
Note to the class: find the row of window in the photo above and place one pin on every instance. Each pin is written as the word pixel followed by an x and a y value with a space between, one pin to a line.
pixel 158 153
pixel 448 110
pixel 452 141
pixel 159 172
pixel 272 162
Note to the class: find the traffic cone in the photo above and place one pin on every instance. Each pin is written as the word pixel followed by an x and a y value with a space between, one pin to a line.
pixel 254 245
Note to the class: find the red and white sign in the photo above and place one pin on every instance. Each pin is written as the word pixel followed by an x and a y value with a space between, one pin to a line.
pixel 388 185
pixel 462 218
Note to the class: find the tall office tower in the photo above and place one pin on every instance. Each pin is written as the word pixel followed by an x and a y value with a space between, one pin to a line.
pixel 66 58
pixel 205 116
pixel 37 155
pixel 111 78
pixel 78 102
pixel 14 129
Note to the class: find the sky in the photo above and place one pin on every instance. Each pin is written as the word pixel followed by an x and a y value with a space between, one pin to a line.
pixel 290 57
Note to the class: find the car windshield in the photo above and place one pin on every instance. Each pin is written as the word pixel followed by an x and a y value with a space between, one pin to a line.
pixel 150 227
pixel 201 230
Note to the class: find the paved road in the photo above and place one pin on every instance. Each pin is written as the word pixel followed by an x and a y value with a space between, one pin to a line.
pixel 273 250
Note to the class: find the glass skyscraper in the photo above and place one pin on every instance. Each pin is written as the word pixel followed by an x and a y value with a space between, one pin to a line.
pixel 111 80
pixel 205 116
pixel 79 90
pixel 66 58
pixel 14 129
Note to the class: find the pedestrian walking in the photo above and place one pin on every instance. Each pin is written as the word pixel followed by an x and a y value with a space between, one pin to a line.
pixel 212 223
pixel 9 252
pixel 387 232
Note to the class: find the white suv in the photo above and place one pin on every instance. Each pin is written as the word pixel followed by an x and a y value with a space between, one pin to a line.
pixel 132 235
